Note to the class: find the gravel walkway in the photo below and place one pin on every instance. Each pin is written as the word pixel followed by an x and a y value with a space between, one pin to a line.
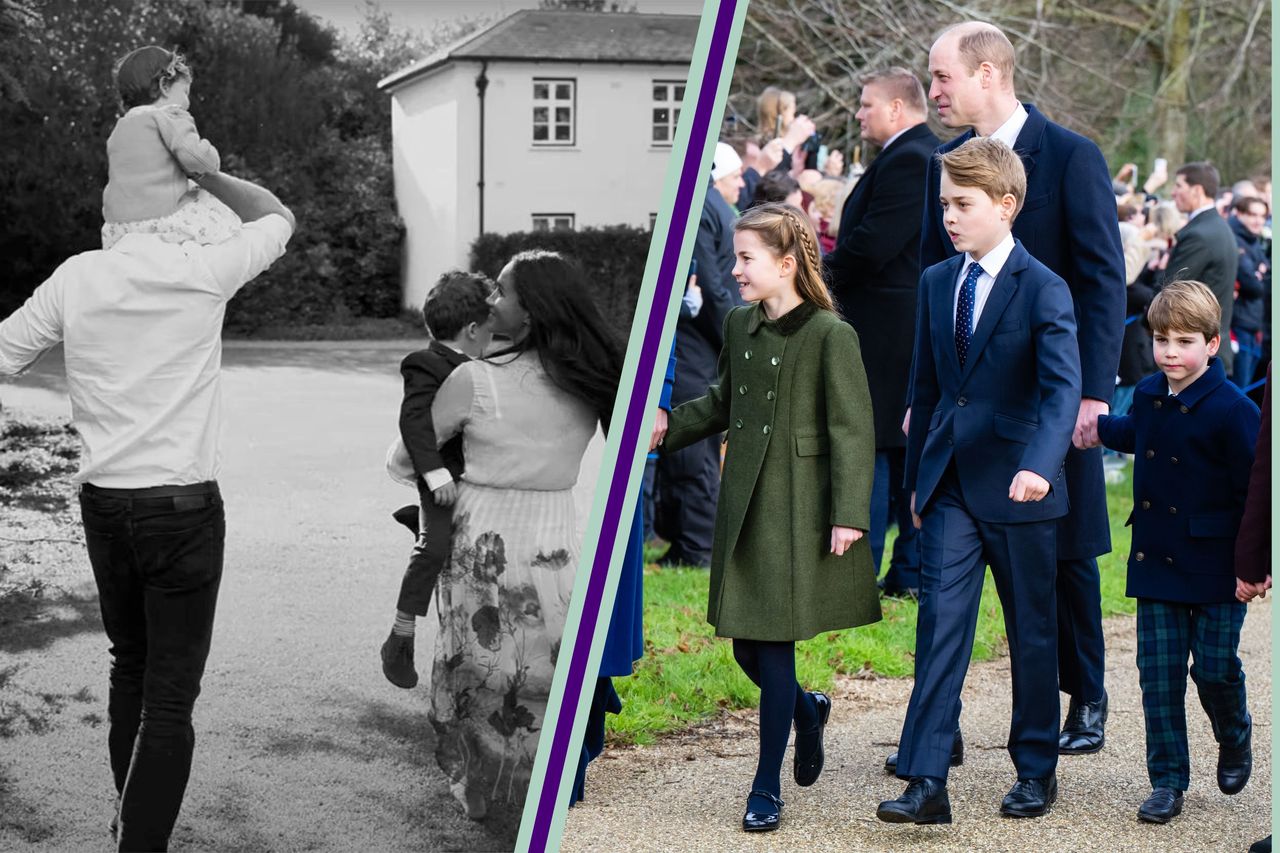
pixel 687 792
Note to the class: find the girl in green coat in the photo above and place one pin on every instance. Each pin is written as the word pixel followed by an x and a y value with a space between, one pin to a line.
pixel 789 558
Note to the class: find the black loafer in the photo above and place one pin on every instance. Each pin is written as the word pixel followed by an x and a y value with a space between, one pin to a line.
pixel 807 769
pixel 1262 845
pixel 397 661
pixel 925 802
pixel 1162 806
pixel 1235 764
pixel 1030 797
pixel 957 755
pixel 754 821
pixel 408 516
pixel 1083 732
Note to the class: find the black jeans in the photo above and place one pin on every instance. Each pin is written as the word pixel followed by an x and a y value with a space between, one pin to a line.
pixel 157 559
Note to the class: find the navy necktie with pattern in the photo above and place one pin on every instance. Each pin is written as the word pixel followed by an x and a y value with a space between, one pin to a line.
pixel 964 310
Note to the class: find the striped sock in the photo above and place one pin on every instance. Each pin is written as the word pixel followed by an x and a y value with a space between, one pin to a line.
pixel 404 624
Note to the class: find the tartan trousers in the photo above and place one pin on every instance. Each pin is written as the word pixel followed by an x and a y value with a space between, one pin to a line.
pixel 1210 633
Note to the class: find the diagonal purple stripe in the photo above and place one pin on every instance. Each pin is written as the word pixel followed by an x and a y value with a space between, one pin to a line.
pixel 691 177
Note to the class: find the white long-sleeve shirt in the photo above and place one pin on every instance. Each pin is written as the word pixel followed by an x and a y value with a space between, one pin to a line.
pixel 142 328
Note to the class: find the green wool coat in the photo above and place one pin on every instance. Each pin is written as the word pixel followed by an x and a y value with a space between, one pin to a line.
pixel 793 397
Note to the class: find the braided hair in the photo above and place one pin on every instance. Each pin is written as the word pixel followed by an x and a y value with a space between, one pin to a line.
pixel 785 230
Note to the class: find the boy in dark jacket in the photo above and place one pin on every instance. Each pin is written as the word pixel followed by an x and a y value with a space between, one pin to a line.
pixel 457 317
pixel 1193 435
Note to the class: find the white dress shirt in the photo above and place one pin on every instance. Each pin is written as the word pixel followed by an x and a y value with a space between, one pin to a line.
pixel 992 262
pixel 1008 132
pixel 142 328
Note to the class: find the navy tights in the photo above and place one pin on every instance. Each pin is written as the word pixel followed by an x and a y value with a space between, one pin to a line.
pixel 772 667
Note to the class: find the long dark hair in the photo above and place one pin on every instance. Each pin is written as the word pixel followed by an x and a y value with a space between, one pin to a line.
pixel 566 329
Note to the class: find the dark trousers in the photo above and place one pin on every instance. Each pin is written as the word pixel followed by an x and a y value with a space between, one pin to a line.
pixel 157 559
pixel 890 505
pixel 1167 633
pixel 955 550
pixel 1081 647
pixel 435 533
pixel 685 513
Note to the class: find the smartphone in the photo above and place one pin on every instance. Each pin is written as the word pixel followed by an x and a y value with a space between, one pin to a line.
pixel 822 158
pixel 1162 164
pixel 777 127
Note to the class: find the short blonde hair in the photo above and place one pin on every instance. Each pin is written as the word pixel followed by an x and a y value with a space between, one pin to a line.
pixel 979 42
pixel 1185 306
pixel 990 166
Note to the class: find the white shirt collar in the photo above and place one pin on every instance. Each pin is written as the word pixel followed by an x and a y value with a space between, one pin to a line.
pixel 992 262
pixel 1200 210
pixel 891 139
pixel 1008 132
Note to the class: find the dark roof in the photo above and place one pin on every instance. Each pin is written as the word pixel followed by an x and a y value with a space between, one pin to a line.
pixel 538 35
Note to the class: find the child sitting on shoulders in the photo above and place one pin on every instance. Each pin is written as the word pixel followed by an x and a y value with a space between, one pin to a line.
pixel 1193 434
pixel 153 154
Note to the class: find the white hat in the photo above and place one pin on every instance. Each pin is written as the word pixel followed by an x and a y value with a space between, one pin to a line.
pixel 726 161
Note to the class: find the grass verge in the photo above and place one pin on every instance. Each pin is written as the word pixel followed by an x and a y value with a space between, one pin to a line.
pixel 688 675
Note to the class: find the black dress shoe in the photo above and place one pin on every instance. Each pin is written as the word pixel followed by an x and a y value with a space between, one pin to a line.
pixel 1082 733
pixel 408 516
pixel 1261 846
pixel 1163 805
pixel 762 821
pixel 924 802
pixel 1030 797
pixel 1235 765
pixel 957 755
pixel 807 769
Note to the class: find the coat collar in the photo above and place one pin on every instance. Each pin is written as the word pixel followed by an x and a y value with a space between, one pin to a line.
pixel 785 325
pixel 1157 385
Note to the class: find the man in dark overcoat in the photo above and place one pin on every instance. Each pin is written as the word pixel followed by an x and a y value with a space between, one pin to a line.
pixel 1069 224
pixel 873 272
pixel 688 481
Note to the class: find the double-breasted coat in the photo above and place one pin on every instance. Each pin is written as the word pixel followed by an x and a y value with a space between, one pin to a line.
pixel 792 396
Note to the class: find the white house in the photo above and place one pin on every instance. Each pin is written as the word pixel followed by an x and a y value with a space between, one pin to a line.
pixel 545 119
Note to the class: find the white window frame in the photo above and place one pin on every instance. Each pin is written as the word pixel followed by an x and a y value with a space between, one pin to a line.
pixel 669 104
pixel 553 104
pixel 554 222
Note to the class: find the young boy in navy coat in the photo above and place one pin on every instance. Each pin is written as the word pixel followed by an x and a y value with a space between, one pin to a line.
pixel 997 390
pixel 457 316
pixel 1193 434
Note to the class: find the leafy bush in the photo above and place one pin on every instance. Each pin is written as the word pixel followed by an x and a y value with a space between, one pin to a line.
pixel 613 259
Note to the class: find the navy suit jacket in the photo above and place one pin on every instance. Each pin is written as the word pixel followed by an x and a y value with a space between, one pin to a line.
pixel 1012 407
pixel 1192 456
pixel 1068 223
pixel 424 372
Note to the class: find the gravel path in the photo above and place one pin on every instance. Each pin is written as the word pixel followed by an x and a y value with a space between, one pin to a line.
pixel 687 792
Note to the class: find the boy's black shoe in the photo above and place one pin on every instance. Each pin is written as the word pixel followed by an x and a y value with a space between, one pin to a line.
pixel 763 820
pixel 807 769
pixel 957 755
pixel 1082 733
pixel 1261 846
pixel 1235 764
pixel 397 661
pixel 1162 806
pixel 408 516
pixel 924 802
pixel 1030 797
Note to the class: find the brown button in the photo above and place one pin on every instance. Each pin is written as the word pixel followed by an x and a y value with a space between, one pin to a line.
pixel 1150 454
pixel 1146 504
pixel 1139 556
pixel 1173 459
pixel 1173 510
pixel 1183 409
pixel 1159 404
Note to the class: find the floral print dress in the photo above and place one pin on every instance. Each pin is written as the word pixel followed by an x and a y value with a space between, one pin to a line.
pixel 504 594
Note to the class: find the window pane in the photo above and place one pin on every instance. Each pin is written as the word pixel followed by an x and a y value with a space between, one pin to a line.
pixel 540 223
pixel 562 133
pixel 564 91
pixel 541 114
pixel 660 116
pixel 679 95
pixel 675 117
pixel 541 91
pixel 659 93
pixel 540 133
pixel 660 133
pixel 562 115
pixel 563 223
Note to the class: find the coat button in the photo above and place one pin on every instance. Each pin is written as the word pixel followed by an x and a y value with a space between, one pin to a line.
pixel 1173 510
pixel 1139 556
pixel 962 402
pixel 1150 454
pixel 1173 459
pixel 747 354
pixel 738 423
pixel 950 441
pixel 1168 561
pixel 1183 409
pixel 1159 404
pixel 742 389
pixel 767 429
pixel 1146 504
pixel 775 361
pixel 770 395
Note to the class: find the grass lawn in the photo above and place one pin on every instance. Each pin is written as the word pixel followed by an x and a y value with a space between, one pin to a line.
pixel 688 675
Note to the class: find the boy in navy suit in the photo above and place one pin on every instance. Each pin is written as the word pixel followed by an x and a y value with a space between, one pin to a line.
pixel 997 390
pixel 1192 434
pixel 457 317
